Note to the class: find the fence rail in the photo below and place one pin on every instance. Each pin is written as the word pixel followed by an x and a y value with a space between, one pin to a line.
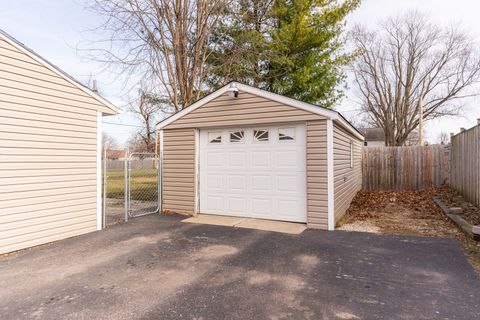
pixel 405 168
pixel 465 166
pixel 134 164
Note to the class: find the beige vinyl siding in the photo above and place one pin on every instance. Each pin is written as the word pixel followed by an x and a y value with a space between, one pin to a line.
pixel 247 109
pixel 48 154
pixel 224 111
pixel 317 198
pixel 178 171
pixel 23 76
pixel 347 180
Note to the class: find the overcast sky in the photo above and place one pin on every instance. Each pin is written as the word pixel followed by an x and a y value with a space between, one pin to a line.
pixel 54 28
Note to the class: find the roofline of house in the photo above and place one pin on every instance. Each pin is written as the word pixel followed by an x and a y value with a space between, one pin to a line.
pixel 329 114
pixel 17 44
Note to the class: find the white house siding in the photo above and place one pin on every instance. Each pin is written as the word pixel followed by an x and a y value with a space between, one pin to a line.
pixel 48 153
pixel 374 143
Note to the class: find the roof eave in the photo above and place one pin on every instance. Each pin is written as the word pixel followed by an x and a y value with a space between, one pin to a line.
pixel 113 109
pixel 330 114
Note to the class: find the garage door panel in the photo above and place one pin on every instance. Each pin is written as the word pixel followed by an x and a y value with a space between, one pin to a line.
pixel 261 207
pixel 291 183
pixel 214 159
pixel 287 207
pixel 237 159
pixel 214 181
pixel 261 159
pixel 289 159
pixel 237 183
pixel 214 203
pixel 236 205
pixel 262 183
pixel 257 175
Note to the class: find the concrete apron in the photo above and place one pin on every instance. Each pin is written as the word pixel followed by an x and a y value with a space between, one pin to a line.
pixel 249 223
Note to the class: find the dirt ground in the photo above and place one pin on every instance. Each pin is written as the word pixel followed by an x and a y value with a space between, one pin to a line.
pixel 407 213
pixel 452 198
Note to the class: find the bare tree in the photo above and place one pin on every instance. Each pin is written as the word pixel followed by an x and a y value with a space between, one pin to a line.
pixel 109 142
pixel 409 60
pixel 164 42
pixel 147 108
pixel 443 138
pixel 136 143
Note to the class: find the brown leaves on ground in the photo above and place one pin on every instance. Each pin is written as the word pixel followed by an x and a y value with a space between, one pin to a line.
pixel 406 213
pixel 408 204
pixel 452 198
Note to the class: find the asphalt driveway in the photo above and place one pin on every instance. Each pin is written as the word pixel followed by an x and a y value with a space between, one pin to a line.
pixel 156 267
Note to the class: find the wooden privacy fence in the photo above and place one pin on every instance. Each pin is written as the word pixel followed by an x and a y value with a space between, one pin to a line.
pixel 465 163
pixel 405 168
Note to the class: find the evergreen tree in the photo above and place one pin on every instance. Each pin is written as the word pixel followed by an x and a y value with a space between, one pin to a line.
pixel 290 47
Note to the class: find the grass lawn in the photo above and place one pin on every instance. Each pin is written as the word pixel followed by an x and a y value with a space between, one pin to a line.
pixel 143 184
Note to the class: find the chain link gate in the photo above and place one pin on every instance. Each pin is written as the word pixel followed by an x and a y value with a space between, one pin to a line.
pixel 142 176
pixel 114 186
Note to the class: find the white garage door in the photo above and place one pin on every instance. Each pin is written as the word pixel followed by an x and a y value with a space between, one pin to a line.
pixel 254 172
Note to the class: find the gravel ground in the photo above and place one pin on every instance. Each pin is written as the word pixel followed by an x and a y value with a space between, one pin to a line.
pixel 360 226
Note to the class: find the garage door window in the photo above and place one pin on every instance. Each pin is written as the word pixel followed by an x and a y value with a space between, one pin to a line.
pixel 286 134
pixel 237 136
pixel 260 135
pixel 215 137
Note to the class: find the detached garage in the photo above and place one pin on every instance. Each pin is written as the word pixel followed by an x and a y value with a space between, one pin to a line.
pixel 246 152
pixel 50 151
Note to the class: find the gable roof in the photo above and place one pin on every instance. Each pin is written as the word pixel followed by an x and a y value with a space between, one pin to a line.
pixel 330 114
pixel 373 134
pixel 20 46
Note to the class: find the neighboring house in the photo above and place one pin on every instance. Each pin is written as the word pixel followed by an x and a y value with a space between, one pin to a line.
pixel 115 154
pixel 50 151
pixel 374 137
pixel 246 152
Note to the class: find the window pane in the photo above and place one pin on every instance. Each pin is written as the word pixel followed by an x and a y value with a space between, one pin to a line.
pixel 236 136
pixel 260 135
pixel 286 134
pixel 215 137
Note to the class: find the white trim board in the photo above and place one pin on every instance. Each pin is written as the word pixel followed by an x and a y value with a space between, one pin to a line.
pixel 330 114
pixel 9 39
pixel 99 171
pixel 160 163
pixel 197 172
pixel 330 177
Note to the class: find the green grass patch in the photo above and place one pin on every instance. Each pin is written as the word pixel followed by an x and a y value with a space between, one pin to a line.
pixel 143 184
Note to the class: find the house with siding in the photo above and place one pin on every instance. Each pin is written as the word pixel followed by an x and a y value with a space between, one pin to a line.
pixel 246 152
pixel 50 151
pixel 374 137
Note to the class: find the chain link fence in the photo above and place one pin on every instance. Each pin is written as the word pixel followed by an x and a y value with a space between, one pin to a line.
pixel 142 197
pixel 114 186
pixel 130 186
